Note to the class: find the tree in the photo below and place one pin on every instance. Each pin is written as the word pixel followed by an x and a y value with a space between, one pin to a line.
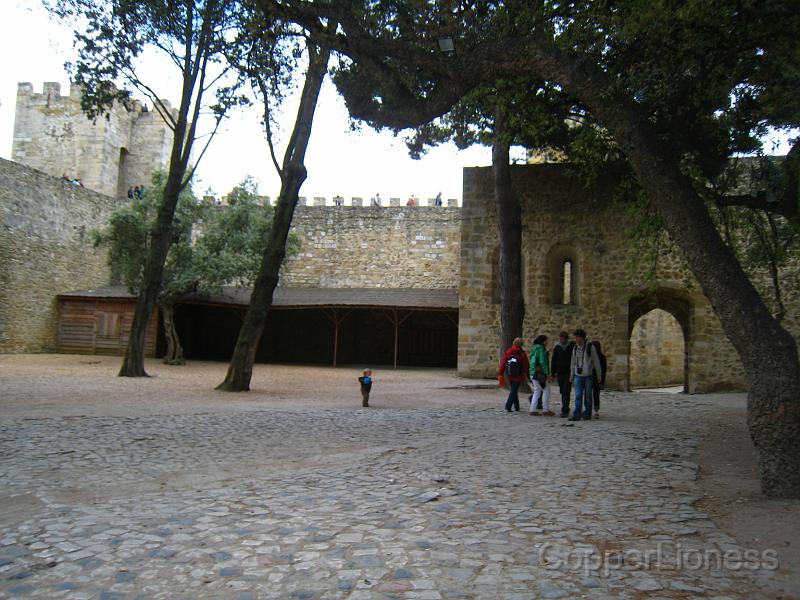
pixel 292 173
pixel 192 34
pixel 515 111
pixel 679 86
pixel 211 246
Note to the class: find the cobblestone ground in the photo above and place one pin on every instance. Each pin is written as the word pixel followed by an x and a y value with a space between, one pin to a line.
pixel 452 500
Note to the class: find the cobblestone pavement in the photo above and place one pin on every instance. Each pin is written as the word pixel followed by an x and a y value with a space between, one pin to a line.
pixel 449 501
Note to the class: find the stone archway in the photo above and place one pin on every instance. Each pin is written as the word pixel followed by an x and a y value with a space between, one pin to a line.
pixel 672 301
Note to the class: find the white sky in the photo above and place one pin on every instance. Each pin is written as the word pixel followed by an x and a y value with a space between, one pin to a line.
pixel 339 161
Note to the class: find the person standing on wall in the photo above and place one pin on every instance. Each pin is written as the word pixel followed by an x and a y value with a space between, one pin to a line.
pixel 559 367
pixel 598 377
pixel 513 368
pixel 540 377
pixel 583 365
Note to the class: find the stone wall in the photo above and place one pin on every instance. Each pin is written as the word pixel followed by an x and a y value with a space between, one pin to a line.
pixel 563 221
pixel 393 247
pixel 109 155
pixel 45 249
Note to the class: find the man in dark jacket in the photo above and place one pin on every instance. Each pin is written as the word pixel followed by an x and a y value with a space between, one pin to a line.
pixel 559 366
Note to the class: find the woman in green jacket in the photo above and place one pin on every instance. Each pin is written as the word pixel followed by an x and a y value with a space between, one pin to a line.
pixel 540 375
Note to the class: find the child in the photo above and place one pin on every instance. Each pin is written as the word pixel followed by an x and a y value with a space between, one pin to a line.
pixel 366 385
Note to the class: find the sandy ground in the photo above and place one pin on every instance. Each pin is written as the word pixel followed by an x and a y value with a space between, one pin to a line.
pixel 35 388
pixel 42 386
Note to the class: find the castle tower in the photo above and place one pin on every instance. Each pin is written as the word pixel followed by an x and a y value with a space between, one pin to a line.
pixel 119 150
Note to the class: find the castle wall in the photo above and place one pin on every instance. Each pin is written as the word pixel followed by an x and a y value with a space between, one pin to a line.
pixel 564 221
pixel 115 152
pixel 393 247
pixel 45 249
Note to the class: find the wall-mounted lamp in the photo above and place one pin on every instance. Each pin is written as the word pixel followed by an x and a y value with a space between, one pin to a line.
pixel 447 46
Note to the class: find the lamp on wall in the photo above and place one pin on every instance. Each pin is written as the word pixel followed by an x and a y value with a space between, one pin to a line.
pixel 447 46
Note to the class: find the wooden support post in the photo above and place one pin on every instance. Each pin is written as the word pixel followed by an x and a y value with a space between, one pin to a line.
pixel 397 320
pixel 337 318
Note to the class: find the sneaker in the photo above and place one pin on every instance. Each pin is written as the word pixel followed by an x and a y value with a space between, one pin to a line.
pixel 549 413
pixel 574 419
pixel 563 416
pixel 587 417
pixel 597 415
pixel 536 413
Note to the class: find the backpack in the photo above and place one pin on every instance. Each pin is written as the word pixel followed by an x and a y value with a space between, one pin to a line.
pixel 514 366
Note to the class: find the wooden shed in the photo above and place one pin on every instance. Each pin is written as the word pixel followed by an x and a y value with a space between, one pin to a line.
pixel 99 322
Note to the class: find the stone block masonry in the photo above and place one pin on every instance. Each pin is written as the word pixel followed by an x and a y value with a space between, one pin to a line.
pixel 392 247
pixel 564 224
pixel 45 249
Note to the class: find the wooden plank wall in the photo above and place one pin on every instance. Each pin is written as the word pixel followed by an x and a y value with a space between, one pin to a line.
pixel 99 326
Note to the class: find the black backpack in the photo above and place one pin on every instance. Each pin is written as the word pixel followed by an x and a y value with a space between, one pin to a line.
pixel 514 366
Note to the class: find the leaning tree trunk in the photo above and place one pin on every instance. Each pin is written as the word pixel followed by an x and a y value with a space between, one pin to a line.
pixel 174 353
pixel 161 234
pixel 293 174
pixel 767 351
pixel 160 240
pixel 509 231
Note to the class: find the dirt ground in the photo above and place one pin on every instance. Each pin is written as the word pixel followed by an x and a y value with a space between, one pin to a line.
pixel 727 458
pixel 729 477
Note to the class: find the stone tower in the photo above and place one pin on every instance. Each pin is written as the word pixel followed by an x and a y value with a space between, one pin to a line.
pixel 53 135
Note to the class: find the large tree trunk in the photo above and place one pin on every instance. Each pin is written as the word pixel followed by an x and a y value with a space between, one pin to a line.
pixel 509 231
pixel 768 352
pixel 174 353
pixel 293 174
pixel 161 234
pixel 160 240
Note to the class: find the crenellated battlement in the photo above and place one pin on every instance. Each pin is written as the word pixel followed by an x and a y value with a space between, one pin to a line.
pixel 51 96
pixel 352 202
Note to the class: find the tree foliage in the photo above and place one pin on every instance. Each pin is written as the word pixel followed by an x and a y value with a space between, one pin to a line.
pixel 212 245
pixel 192 35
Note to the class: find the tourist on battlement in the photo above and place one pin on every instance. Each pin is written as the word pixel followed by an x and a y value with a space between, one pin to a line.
pixel 438 201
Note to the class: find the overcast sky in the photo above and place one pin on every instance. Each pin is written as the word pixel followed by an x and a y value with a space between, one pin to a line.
pixel 339 161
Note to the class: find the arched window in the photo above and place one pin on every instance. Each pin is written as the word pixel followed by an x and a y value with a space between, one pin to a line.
pixel 567 281
pixel 564 276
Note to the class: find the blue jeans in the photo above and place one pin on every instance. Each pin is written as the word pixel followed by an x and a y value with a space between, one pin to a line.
pixel 513 396
pixel 583 395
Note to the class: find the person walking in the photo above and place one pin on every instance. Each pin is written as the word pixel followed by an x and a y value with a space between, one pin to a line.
pixel 598 377
pixel 559 367
pixel 540 376
pixel 583 364
pixel 514 366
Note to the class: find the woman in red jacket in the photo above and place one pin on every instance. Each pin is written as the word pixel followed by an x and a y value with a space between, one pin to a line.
pixel 513 368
